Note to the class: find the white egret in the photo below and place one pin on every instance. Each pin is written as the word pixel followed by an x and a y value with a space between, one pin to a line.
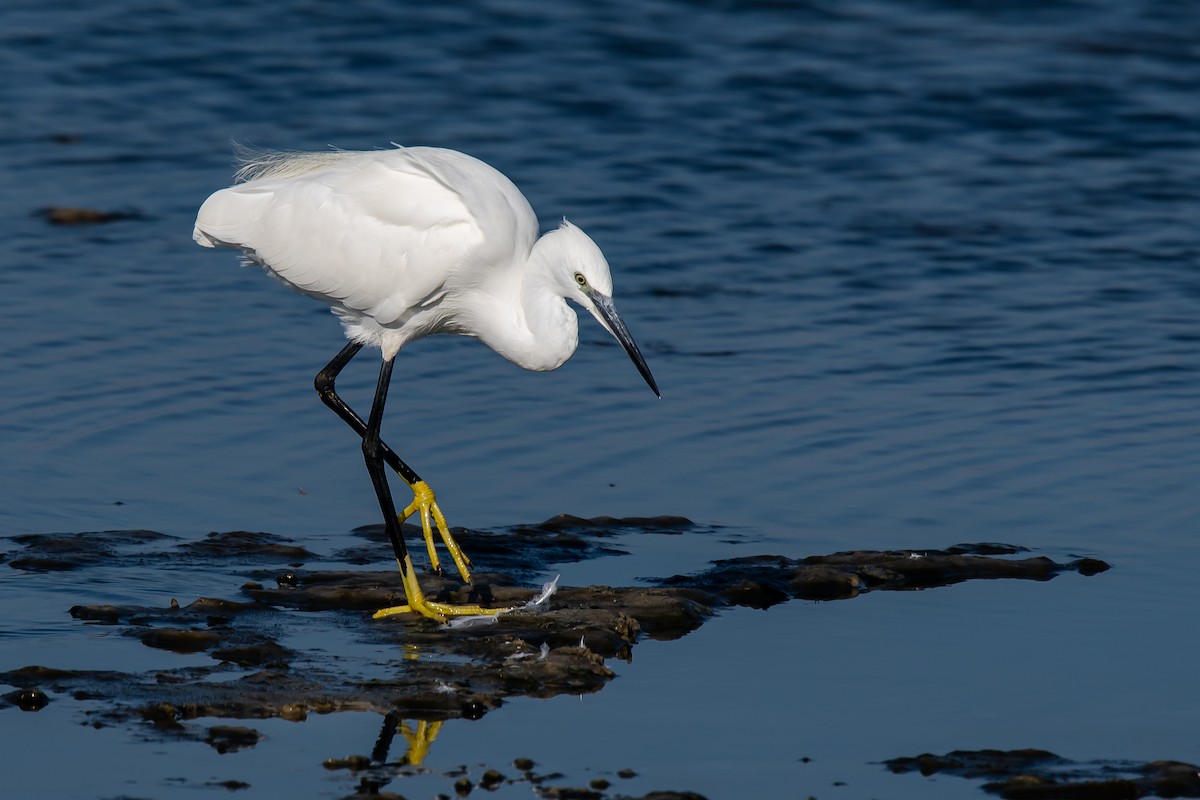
pixel 402 244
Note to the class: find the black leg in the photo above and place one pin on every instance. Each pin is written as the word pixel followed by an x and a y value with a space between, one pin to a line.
pixel 383 744
pixel 423 498
pixel 325 388
pixel 373 454
pixel 377 455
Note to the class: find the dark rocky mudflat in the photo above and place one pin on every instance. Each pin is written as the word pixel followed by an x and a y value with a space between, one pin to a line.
pixel 464 669
pixel 1041 775
pixel 429 672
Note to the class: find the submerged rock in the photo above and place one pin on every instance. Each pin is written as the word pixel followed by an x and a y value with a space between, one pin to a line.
pixel 57 552
pixel 28 699
pixel 1029 773
pixel 243 544
pixel 230 738
pixel 68 215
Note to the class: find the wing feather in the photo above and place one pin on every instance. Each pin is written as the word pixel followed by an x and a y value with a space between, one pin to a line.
pixel 380 233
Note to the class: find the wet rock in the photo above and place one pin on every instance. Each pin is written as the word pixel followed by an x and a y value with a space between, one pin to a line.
pixel 538 780
pixel 256 655
pixel 762 581
pixel 215 607
pixel 353 763
pixel 342 591
pixel 474 709
pixel 58 552
pixel 179 640
pixel 247 545
pixel 67 215
pixel 568 793
pixel 231 785
pixel 1032 774
pixel 491 780
pixel 162 715
pixel 107 614
pixel 1090 566
pixel 30 677
pixel 977 763
pixel 31 680
pixel 29 699
pixel 231 738
pixel 521 551
pixel 294 712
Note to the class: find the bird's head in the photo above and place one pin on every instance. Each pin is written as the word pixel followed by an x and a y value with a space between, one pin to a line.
pixel 580 273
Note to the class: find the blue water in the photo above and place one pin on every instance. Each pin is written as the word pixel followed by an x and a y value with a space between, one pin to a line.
pixel 908 274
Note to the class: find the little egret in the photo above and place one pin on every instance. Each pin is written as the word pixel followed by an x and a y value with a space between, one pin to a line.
pixel 402 244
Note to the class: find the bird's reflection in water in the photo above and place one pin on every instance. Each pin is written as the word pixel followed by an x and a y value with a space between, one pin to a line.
pixel 418 736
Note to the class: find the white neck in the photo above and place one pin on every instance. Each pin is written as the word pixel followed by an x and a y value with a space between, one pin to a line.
pixel 544 331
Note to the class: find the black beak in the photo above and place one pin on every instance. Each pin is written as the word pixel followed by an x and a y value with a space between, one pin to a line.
pixel 607 313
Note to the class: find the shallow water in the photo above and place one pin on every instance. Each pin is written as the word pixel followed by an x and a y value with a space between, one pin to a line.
pixel 908 274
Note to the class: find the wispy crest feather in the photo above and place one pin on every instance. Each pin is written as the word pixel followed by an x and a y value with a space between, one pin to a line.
pixel 254 162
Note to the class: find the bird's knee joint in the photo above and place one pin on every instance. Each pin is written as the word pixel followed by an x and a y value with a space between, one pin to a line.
pixel 323 384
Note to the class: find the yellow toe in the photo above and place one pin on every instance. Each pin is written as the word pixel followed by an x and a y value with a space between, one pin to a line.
pixel 425 503
pixel 418 603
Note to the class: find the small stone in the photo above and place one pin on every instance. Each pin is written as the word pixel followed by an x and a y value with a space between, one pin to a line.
pixel 231 785
pixel 162 715
pixel 294 712
pixel 473 710
pixel 62 215
pixel 29 699
pixel 353 763
pixel 569 793
pixel 255 655
pixel 103 613
pixel 231 738
pixel 179 640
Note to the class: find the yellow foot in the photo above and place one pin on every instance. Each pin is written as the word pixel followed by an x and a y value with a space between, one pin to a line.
pixel 419 604
pixel 431 517
pixel 419 740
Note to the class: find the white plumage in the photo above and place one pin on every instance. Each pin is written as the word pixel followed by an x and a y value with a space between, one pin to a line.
pixel 413 241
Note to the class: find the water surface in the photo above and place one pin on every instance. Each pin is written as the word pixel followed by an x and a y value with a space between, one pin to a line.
pixel 908 274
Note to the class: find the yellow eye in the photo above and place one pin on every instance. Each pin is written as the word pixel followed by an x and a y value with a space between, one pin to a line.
pixel 582 281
